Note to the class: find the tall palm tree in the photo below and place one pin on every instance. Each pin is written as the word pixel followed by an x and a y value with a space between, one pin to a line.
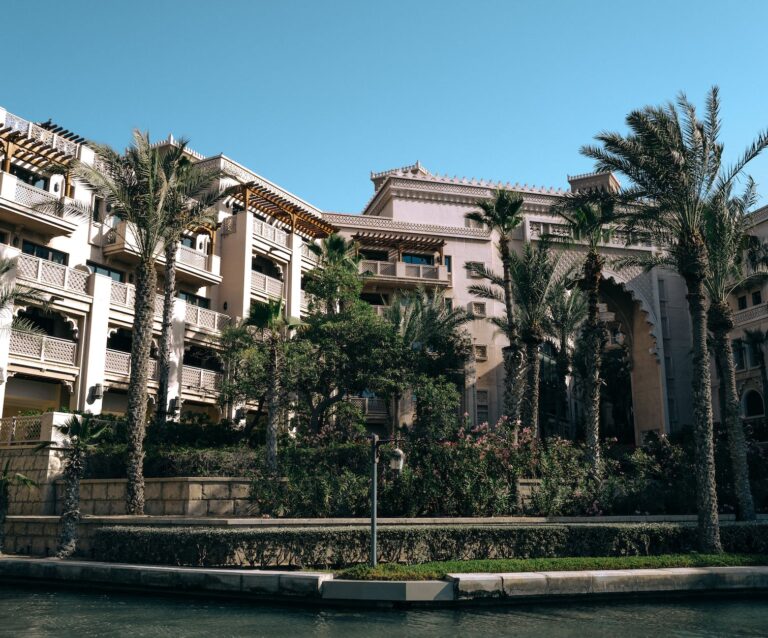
pixel 533 285
pixel 725 236
pixel 275 329
pixel 8 480
pixel 673 161
pixel 190 203
pixel 83 435
pixel 136 183
pixel 589 216
pixel 502 215
pixel 567 312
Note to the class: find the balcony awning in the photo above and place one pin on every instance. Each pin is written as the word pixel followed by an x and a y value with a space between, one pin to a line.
pixel 15 145
pixel 399 241
pixel 304 221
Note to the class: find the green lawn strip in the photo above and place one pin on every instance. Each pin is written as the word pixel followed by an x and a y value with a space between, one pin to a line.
pixel 438 570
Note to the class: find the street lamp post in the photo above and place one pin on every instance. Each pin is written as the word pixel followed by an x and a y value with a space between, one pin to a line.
pixel 396 464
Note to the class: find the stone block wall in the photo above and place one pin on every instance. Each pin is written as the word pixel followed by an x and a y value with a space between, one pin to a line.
pixel 39 465
pixel 165 497
pixel 525 490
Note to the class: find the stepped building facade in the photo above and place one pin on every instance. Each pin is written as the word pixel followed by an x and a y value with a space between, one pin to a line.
pixel 411 233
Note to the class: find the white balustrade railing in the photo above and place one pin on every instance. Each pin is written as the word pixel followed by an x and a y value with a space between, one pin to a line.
pixel 118 362
pixel 421 271
pixel 15 430
pixel 380 268
pixel 125 295
pixel 43 348
pixel 192 257
pixel 751 314
pixel 264 283
pixel 51 274
pixel 204 318
pixel 201 379
pixel 308 254
pixel 36 132
pixel 270 233
pixel 369 406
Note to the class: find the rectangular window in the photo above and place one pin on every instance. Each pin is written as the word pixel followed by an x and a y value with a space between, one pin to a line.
pixel 374 255
pixel 482 406
pixel 471 265
pixel 738 354
pixel 742 302
pixel 189 242
pixel 753 355
pixel 477 308
pixel 662 290
pixel 43 252
pixel 194 300
pixel 96 210
pixel 421 260
pixel 481 352
pixel 449 303
pixel 757 298
pixel 447 262
pixel 115 275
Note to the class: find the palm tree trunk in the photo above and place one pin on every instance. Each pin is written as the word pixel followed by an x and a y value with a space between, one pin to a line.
pixel 530 414
pixel 721 324
pixel 164 354
pixel 273 409
pixel 706 492
pixel 593 339
pixel 73 473
pixel 146 283
pixel 513 386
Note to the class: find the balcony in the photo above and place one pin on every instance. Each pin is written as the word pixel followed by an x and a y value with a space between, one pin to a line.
pixel 750 315
pixel 374 409
pixel 200 381
pixel 202 318
pixel 124 295
pixel 265 286
pixel 401 273
pixel 192 265
pixel 33 208
pixel 48 273
pixel 118 364
pixel 43 349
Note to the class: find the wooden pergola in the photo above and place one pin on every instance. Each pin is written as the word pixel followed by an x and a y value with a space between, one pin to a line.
pixel 33 152
pixel 299 219
pixel 401 242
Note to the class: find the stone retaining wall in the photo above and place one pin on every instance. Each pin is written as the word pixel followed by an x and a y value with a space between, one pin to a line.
pixel 165 496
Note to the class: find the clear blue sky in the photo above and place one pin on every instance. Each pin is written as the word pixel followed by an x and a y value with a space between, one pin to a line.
pixel 315 94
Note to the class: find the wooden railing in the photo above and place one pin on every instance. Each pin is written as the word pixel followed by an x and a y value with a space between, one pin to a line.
pixel 17 430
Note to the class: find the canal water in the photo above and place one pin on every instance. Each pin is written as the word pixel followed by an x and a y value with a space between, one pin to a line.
pixel 63 613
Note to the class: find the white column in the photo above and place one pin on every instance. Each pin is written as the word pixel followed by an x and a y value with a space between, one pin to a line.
pixel 236 255
pixel 293 278
pixel 94 342
pixel 177 352
pixel 6 317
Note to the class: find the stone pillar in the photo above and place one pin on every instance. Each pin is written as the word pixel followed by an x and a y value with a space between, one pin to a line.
pixel 177 353
pixel 236 255
pixel 293 278
pixel 94 342
pixel 6 318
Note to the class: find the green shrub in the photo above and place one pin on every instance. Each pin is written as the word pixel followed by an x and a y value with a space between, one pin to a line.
pixel 331 547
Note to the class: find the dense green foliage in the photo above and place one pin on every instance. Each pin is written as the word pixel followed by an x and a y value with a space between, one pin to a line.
pixel 345 546
pixel 440 569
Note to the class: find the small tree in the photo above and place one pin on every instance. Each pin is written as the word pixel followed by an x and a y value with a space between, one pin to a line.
pixel 8 480
pixel 82 437
pixel 437 407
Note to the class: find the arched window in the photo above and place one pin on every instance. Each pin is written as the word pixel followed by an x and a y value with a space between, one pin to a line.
pixel 753 404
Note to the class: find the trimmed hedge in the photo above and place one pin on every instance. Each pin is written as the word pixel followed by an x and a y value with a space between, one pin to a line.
pixel 339 547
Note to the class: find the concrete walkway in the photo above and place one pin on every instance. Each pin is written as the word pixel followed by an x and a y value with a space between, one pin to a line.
pixel 322 587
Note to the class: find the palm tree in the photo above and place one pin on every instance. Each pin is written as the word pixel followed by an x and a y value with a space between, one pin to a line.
pixel 588 216
pixel 339 260
pixel 8 480
pixel 275 328
pixel 136 184
pixel 533 285
pixel 567 312
pixel 82 437
pixel 502 215
pixel 189 203
pixel 673 161
pixel 725 235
